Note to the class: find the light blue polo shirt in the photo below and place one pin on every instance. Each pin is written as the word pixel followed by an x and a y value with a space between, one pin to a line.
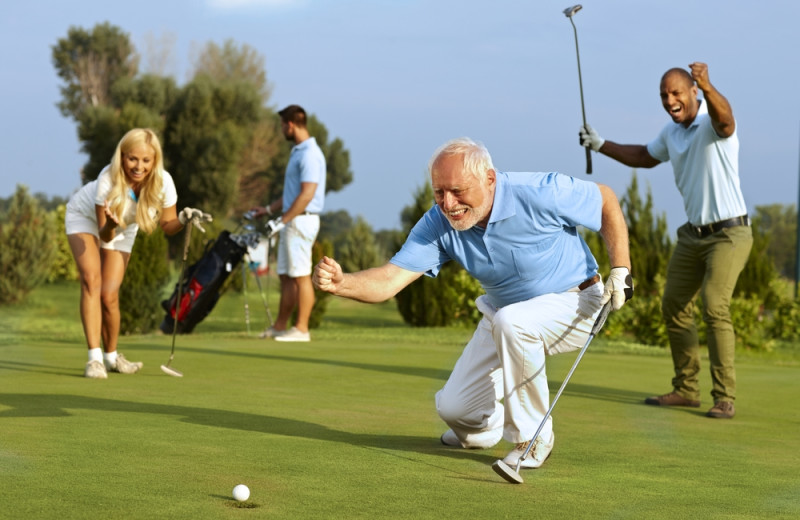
pixel 706 168
pixel 530 246
pixel 306 164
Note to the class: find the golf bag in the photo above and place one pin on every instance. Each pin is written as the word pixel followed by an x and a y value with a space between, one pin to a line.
pixel 202 284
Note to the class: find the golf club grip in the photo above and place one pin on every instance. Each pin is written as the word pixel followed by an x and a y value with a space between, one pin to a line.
pixel 601 318
pixel 588 160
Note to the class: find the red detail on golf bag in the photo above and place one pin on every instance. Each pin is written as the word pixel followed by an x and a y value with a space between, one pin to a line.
pixel 187 299
pixel 202 284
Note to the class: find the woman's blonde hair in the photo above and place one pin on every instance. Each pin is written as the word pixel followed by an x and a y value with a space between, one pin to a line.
pixel 150 196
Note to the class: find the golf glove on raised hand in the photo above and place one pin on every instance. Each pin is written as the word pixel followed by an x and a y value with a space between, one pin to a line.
pixel 274 226
pixel 590 138
pixel 618 288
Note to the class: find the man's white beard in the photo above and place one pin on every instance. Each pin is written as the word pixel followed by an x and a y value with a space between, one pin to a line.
pixel 473 216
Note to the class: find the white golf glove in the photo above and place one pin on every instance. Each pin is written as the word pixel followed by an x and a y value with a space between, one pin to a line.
pixel 274 226
pixel 196 216
pixel 618 288
pixel 590 138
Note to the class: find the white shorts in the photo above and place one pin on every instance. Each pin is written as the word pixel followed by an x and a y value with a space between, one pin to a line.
pixel 294 247
pixel 76 222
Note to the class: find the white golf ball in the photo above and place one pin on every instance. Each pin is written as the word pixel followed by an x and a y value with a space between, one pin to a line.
pixel 241 492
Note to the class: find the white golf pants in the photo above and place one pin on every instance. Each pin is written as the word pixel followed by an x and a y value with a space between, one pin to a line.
pixel 498 387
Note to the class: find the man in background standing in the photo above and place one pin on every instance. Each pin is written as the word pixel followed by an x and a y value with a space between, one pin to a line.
pixel 713 246
pixel 300 205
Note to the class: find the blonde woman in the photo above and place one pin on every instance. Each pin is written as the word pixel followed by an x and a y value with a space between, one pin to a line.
pixel 132 193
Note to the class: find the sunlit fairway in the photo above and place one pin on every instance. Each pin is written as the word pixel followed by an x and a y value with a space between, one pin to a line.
pixel 344 427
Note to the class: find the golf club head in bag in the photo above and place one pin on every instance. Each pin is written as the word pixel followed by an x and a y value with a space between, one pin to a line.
pixel 512 474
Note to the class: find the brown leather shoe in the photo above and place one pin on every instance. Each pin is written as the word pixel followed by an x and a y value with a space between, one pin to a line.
pixel 671 399
pixel 722 410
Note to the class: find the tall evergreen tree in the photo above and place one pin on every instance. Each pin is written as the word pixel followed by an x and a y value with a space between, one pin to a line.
pixel 650 243
pixel 779 223
pixel 358 250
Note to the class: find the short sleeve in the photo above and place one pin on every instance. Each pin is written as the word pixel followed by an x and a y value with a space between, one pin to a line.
pixel 657 148
pixel 103 187
pixel 168 191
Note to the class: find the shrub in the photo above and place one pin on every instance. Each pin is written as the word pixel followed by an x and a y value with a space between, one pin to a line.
pixel 27 247
pixel 749 324
pixel 63 266
pixel 448 299
pixel 319 249
pixel 783 320
pixel 640 317
pixel 142 289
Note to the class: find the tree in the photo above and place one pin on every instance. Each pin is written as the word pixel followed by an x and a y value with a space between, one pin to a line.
pixel 231 63
pixel 337 159
pixel 358 250
pixel 755 280
pixel 27 247
pixel 89 63
pixel 388 240
pixel 221 143
pixel 134 103
pixel 159 54
pixel 258 154
pixel 335 224
pixel 650 244
pixel 63 265
pixel 208 127
pixel 779 223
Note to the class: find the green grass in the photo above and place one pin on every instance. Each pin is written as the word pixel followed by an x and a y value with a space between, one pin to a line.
pixel 344 427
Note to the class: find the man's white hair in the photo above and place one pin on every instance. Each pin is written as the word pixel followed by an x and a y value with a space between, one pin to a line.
pixel 477 160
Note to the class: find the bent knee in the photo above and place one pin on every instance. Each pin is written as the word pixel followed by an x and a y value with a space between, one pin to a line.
pixel 450 408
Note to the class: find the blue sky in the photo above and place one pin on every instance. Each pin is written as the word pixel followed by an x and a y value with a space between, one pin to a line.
pixel 394 79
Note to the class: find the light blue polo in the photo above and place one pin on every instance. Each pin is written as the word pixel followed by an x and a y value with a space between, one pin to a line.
pixel 706 168
pixel 306 164
pixel 531 245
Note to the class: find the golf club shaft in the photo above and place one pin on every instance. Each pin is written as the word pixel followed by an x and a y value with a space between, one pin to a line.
pixel 187 234
pixel 245 264
pixel 580 84
pixel 598 324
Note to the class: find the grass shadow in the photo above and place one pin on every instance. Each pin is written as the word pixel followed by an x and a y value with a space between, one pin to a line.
pixel 58 405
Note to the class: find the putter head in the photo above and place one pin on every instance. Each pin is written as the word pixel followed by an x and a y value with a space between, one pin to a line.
pixel 569 11
pixel 507 472
pixel 170 371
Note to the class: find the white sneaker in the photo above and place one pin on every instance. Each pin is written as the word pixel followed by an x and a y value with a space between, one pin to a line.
pixel 271 332
pixel 123 366
pixel 293 335
pixel 95 370
pixel 536 457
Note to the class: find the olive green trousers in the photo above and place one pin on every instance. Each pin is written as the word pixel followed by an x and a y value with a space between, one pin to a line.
pixel 707 266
